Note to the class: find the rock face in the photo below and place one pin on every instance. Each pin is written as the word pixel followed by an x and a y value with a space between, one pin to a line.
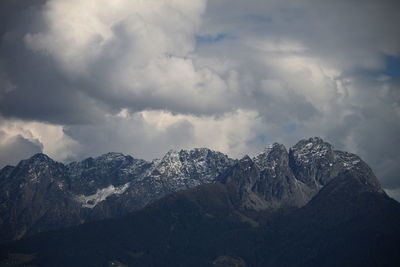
pixel 40 194
pixel 88 176
pixel 276 178
pixel 33 198
pixel 177 170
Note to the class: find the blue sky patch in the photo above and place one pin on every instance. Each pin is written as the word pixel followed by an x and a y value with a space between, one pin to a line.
pixel 290 128
pixel 260 139
pixel 392 67
pixel 212 39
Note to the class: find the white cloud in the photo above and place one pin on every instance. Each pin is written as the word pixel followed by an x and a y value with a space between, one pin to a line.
pixel 131 54
pixel 79 32
pixel 150 134
pixel 15 148
pixel 28 138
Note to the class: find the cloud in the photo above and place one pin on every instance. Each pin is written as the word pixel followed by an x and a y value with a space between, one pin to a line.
pixel 129 54
pixel 228 74
pixel 21 140
pixel 15 148
pixel 150 134
pixel 348 34
pixel 147 135
pixel 94 58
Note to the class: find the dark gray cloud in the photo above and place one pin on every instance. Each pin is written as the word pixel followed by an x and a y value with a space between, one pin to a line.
pixel 336 30
pixel 15 148
pixel 229 74
pixel 31 85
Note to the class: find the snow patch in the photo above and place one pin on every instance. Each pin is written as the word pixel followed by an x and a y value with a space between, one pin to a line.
pixel 309 151
pixel 102 194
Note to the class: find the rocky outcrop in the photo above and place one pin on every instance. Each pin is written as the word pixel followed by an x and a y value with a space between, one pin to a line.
pixel 276 178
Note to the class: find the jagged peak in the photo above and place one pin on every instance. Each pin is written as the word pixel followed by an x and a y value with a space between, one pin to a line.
pixel 270 154
pixel 202 152
pixel 315 139
pixel 246 160
pixel 200 162
pixel 312 147
pixel 269 149
pixel 272 147
pixel 33 167
pixel 38 158
pixel 170 155
pixel 172 152
pixel 111 156
pixel 311 142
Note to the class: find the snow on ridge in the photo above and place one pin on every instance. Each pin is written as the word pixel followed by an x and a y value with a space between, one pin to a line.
pixel 305 150
pixel 102 194
pixel 265 161
pixel 347 160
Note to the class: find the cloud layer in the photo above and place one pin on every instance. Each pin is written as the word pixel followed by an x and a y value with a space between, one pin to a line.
pixel 141 77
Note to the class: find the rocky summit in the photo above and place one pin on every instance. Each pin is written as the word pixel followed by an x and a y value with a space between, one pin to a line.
pixel 277 178
pixel 40 194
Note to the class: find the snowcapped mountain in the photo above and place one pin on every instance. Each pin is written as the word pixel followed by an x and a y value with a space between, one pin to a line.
pixel 40 194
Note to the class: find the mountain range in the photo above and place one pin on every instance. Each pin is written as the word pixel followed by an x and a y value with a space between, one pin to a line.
pixel 310 205
pixel 40 194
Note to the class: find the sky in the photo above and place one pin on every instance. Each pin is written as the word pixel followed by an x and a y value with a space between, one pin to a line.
pixel 141 77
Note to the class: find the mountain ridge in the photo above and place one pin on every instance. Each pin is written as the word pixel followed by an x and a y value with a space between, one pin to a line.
pixel 40 194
